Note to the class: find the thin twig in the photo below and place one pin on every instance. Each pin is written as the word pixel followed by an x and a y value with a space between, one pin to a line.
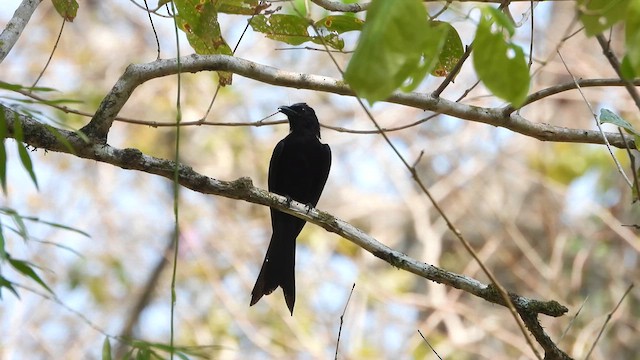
pixel 607 321
pixel 632 160
pixel 176 186
pixel 233 52
pixel 595 117
pixel 342 319
pixel 55 46
pixel 452 74
pixel 431 347
pixel 571 85
pixel 573 319
pixel 155 33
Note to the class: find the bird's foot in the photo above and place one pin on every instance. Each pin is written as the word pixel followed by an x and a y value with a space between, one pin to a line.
pixel 309 206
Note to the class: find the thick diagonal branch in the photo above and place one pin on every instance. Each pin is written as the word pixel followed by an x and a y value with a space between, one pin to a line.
pixel 45 137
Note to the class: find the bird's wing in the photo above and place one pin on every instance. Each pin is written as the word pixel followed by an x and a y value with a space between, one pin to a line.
pixel 274 182
pixel 323 167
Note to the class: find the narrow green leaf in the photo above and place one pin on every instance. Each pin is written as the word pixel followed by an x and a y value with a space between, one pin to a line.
pixel 26 162
pixel 22 150
pixel 390 48
pixel 106 349
pixel 19 222
pixel 66 8
pixel 63 227
pixel 24 268
pixel 600 15
pixel 60 138
pixel 3 152
pixel 501 65
pixel 18 87
pixel 4 283
pixel 3 251
pixel 608 116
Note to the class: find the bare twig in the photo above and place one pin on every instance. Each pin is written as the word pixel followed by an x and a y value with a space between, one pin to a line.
pixel 571 85
pixel 430 347
pixel 573 319
pixel 607 321
pixel 342 320
pixel 632 161
pixel 595 117
pixel 55 46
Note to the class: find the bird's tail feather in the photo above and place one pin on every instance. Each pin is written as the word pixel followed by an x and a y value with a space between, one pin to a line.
pixel 278 269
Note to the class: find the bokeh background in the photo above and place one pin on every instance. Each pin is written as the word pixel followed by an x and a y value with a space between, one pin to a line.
pixel 545 217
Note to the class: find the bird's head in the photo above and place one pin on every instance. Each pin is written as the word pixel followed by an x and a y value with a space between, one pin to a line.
pixel 302 118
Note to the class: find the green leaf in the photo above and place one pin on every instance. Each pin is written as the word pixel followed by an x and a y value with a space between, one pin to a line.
pixel 290 29
pixel 390 48
pixel 3 152
pixel 452 51
pixel 241 7
pixel 339 23
pixel 4 283
pixel 3 251
pixel 19 222
pixel 66 8
pixel 24 268
pixel 294 30
pixel 22 150
pixel 632 39
pixel 600 15
pixel 106 349
pixel 501 65
pixel 608 116
pixel 199 21
pixel 627 72
pixel 432 48
pixel 18 87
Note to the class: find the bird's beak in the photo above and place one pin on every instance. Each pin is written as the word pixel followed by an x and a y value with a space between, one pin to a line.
pixel 287 111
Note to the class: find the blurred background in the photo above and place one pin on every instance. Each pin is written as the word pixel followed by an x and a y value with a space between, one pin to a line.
pixel 545 217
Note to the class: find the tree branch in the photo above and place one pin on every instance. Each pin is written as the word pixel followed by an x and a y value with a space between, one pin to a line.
pixel 333 5
pixel 39 135
pixel 18 22
pixel 136 74
pixel 45 137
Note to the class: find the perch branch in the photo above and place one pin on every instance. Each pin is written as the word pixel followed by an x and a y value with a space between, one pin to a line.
pixel 41 136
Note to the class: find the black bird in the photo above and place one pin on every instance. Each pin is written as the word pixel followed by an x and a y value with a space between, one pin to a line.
pixel 298 169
